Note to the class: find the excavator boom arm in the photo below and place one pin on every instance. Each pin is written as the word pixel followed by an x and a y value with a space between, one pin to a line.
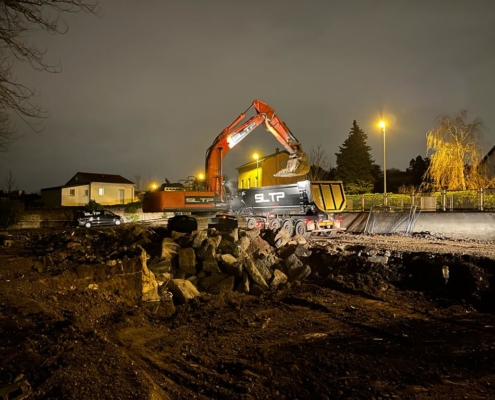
pixel 234 133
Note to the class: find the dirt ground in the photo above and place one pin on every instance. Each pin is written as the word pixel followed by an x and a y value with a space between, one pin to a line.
pixel 75 328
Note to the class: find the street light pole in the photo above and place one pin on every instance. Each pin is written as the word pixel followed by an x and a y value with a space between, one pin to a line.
pixel 385 199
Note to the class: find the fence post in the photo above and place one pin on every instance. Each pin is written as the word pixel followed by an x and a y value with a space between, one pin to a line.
pixel 444 199
pixel 480 199
pixel 362 202
pixel 413 200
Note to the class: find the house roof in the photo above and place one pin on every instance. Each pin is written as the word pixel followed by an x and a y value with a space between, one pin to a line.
pixel 103 178
pixel 488 155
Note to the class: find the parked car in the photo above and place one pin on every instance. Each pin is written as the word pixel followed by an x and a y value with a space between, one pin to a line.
pixel 96 218
pixel 182 223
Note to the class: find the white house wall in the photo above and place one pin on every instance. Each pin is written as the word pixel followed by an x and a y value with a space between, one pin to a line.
pixel 111 193
pixel 75 196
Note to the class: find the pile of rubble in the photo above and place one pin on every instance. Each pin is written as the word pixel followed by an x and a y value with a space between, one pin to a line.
pixel 173 268
pixel 210 261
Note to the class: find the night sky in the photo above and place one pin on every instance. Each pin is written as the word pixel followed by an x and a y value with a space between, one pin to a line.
pixel 146 88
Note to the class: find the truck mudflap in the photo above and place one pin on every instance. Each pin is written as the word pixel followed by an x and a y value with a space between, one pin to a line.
pixel 327 227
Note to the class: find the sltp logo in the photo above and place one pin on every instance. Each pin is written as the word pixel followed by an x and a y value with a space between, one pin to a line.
pixel 270 197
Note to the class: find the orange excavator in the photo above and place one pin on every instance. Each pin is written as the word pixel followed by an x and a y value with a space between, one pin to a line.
pixel 211 199
pixel 237 131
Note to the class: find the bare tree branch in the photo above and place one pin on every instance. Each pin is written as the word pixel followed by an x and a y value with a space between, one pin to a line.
pixel 320 164
pixel 19 19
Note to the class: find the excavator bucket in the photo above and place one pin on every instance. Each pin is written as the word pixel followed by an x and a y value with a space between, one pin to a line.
pixel 297 165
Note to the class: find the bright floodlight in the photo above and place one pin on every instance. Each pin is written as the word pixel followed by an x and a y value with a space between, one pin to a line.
pixel 381 124
pixel 256 156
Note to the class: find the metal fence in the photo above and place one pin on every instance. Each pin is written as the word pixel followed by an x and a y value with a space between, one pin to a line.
pixel 466 200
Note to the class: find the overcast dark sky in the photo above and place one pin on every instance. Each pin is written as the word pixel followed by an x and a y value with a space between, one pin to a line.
pixel 146 88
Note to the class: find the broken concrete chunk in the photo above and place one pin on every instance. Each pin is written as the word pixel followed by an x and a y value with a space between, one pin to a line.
pixel 279 278
pixel 210 264
pixel 207 282
pixel 225 285
pixel 148 280
pixel 169 249
pixel 254 274
pixel 244 286
pixel 182 290
pixel 187 260
pixel 199 238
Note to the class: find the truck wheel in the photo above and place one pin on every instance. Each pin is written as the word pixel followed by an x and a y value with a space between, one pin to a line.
pixel 329 233
pixel 87 224
pixel 300 228
pixel 250 223
pixel 288 226
pixel 275 224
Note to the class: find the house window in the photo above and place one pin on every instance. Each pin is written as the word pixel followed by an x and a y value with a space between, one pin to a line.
pixel 101 191
pixel 72 192
pixel 242 184
pixel 86 192
pixel 248 183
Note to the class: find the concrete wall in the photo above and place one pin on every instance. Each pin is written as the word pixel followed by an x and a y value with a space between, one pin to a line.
pixel 62 217
pixel 468 225
pixel 473 225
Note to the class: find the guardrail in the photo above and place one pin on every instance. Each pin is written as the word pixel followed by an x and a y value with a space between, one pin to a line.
pixel 466 200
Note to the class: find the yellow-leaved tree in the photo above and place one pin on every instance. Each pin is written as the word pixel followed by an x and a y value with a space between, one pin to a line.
pixel 454 145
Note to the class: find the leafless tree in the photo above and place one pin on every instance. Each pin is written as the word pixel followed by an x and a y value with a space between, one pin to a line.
pixel 320 164
pixel 137 178
pixel 455 153
pixel 9 183
pixel 19 18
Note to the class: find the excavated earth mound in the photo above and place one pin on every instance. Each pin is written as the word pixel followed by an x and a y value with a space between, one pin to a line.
pixel 138 312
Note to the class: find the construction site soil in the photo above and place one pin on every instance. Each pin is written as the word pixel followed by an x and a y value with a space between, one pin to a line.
pixel 378 317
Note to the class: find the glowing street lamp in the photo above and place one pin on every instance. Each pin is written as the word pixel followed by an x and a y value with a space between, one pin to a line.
pixel 382 125
pixel 257 157
pixel 154 186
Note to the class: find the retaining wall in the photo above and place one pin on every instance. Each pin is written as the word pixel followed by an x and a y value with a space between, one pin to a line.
pixel 462 225
pixel 61 217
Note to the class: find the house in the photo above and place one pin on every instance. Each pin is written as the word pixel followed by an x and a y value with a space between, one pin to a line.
pixel 489 162
pixel 105 189
pixel 260 172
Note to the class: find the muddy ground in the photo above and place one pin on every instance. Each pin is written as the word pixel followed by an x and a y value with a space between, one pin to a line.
pixel 375 319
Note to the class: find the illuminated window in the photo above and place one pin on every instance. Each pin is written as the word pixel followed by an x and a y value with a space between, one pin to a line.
pixel 248 183
pixel 86 192
pixel 72 192
pixel 101 191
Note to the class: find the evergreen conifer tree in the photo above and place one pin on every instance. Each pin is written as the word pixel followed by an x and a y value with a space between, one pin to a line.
pixel 354 162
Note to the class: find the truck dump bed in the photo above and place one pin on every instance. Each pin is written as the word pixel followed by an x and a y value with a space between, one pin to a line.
pixel 325 196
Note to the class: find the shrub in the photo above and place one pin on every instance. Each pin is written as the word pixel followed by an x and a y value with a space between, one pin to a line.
pixel 93 206
pixel 130 211
pixel 10 213
pixel 132 208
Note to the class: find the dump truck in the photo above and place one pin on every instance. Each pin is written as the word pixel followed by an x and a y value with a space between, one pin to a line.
pixel 303 208
pixel 209 197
